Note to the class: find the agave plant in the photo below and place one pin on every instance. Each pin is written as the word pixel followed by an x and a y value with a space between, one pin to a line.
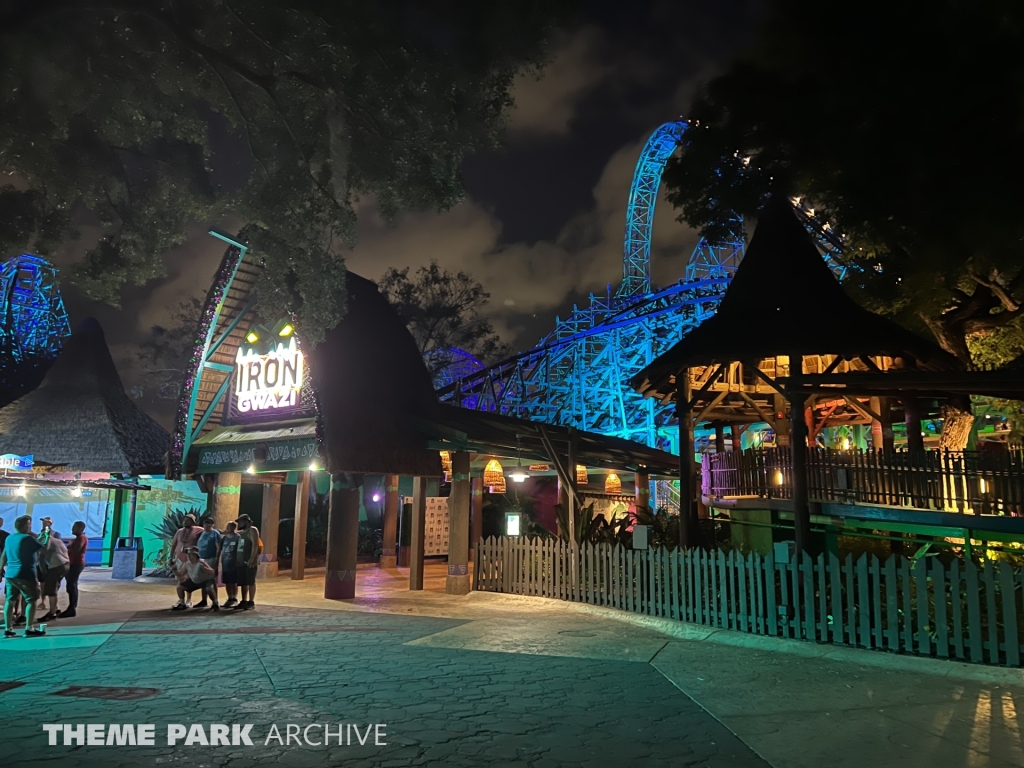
pixel 169 525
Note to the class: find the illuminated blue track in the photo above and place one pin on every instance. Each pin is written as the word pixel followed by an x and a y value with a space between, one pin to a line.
pixel 578 375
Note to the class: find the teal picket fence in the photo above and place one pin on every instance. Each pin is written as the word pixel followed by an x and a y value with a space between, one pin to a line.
pixel 923 607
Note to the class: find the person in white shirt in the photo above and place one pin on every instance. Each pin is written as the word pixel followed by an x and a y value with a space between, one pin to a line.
pixel 55 553
pixel 195 573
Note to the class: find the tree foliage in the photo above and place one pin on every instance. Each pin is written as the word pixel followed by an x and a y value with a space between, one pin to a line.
pixel 900 124
pixel 164 354
pixel 116 115
pixel 443 310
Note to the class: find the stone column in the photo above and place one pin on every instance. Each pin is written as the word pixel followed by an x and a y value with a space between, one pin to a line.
pixel 268 531
pixel 387 554
pixel 299 529
pixel 476 514
pixel 417 532
pixel 226 495
pixel 642 481
pixel 458 527
pixel 342 537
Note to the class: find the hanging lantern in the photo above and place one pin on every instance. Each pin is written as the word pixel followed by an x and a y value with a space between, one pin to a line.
pixel 499 487
pixel 581 475
pixel 612 484
pixel 494 475
pixel 446 462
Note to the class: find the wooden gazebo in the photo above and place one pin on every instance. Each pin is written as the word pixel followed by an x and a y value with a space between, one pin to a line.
pixel 785 317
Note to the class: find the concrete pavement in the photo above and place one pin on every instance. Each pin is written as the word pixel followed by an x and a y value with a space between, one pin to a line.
pixel 478 680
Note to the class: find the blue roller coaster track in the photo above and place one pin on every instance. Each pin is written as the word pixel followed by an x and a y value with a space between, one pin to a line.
pixel 578 375
pixel 33 323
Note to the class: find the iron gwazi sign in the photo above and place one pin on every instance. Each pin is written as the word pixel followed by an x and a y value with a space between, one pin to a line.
pixel 270 376
pixel 269 381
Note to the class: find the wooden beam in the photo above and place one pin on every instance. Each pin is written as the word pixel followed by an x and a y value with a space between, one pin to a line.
pixel 764 416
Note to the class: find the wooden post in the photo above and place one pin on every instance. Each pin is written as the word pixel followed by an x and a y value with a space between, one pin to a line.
pixel 736 436
pixel 226 495
pixel 566 497
pixel 570 470
pixel 417 532
pixel 798 443
pixel 642 481
pixel 269 520
pixel 688 530
pixel 299 529
pixel 342 537
pixel 719 437
pixel 912 417
pixel 476 516
pixel 458 527
pixel 881 431
pixel 387 555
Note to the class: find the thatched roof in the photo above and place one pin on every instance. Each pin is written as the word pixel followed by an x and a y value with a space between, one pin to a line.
pixel 80 417
pixel 371 381
pixel 784 300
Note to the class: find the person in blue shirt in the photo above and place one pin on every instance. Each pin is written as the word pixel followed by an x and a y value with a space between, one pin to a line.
pixel 209 544
pixel 18 563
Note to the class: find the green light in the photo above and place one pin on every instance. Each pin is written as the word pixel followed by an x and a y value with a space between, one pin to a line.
pixel 252 337
pixel 286 331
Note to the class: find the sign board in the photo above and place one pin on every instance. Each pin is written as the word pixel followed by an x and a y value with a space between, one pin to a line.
pixel 270 381
pixel 281 456
pixel 14 462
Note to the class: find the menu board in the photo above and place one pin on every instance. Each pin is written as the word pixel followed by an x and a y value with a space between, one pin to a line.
pixel 436 537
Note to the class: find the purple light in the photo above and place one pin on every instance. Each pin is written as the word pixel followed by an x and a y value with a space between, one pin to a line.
pixel 376 497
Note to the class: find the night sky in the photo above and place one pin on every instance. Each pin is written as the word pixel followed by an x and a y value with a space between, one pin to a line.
pixel 542 224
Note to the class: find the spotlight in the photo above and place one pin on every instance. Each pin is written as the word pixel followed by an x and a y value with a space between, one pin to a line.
pixel 77 491
pixel 376 497
pixel 252 469
pixel 312 467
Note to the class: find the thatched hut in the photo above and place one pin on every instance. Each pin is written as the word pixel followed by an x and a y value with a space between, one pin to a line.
pixel 79 419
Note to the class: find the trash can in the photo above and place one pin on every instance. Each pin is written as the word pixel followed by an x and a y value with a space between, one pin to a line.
pixel 127 558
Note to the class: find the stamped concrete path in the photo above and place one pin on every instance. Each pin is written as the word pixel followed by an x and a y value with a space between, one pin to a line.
pixel 480 680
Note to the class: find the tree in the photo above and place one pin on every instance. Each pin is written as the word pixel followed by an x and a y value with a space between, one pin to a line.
pixel 115 115
pixel 164 355
pixel 442 309
pixel 900 125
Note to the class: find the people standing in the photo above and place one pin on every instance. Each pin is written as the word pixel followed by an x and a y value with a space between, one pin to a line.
pixel 248 559
pixel 195 573
pixel 19 561
pixel 57 560
pixel 186 536
pixel 3 534
pixel 208 544
pixel 76 564
pixel 229 563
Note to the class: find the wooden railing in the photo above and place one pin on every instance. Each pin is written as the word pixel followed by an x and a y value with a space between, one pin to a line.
pixel 964 481
pixel 923 607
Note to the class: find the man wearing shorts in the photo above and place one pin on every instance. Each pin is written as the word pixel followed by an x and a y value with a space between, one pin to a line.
pixel 229 563
pixel 18 560
pixel 57 561
pixel 208 544
pixel 195 573
pixel 248 558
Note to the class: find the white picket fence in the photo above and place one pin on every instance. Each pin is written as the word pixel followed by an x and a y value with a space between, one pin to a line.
pixel 923 607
